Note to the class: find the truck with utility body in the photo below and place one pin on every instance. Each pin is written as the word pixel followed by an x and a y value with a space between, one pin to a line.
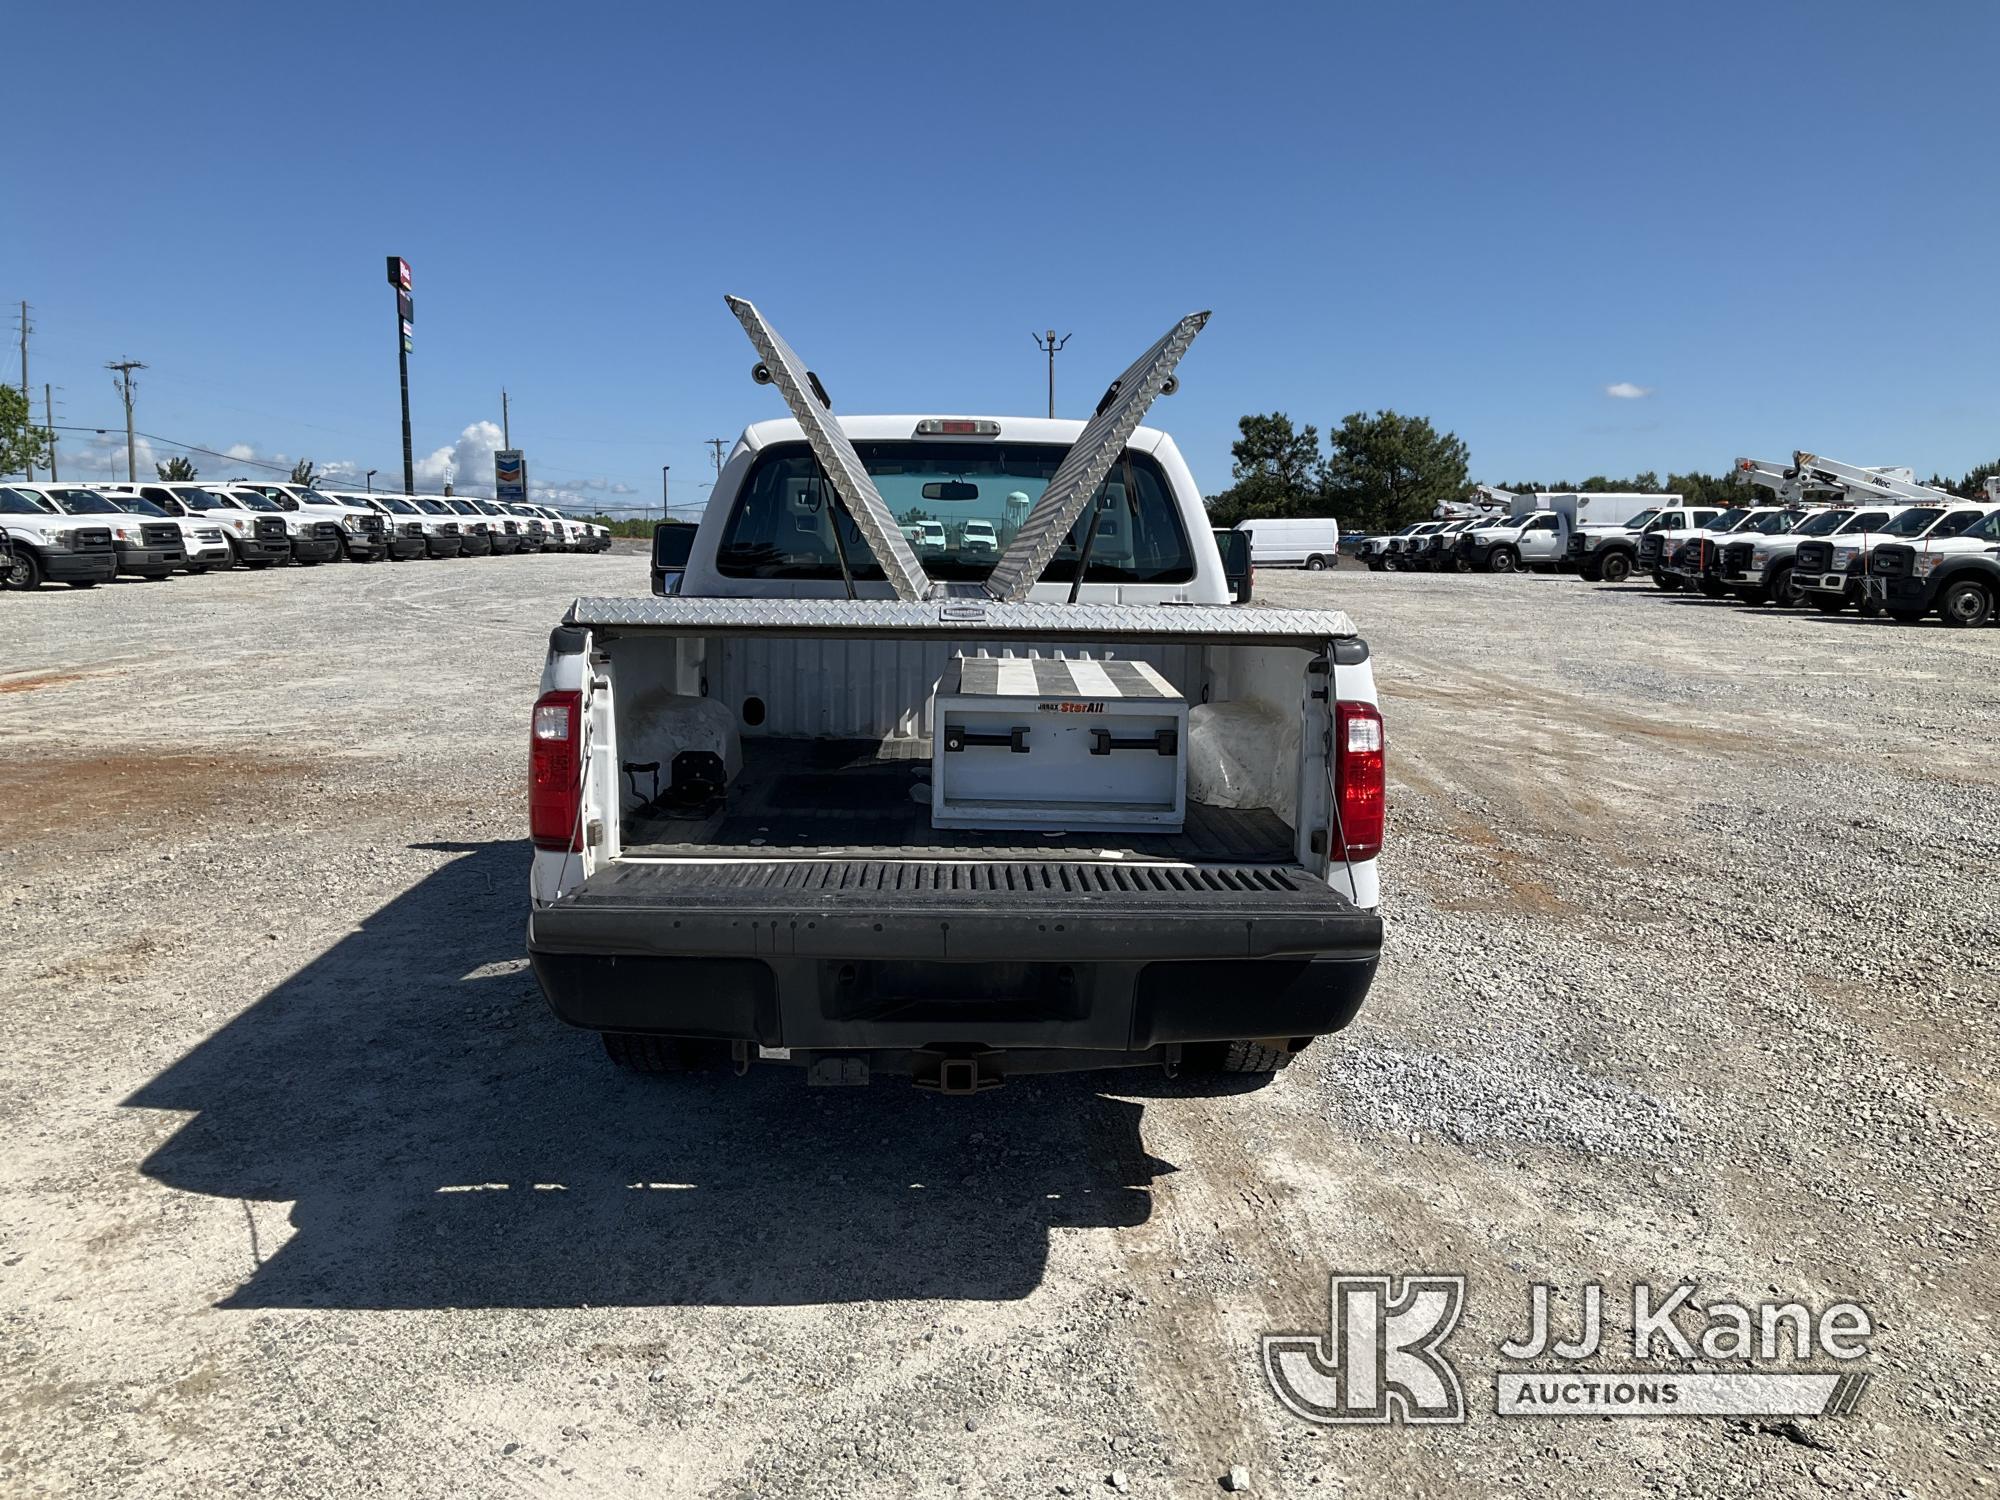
pixel 148 547
pixel 1695 558
pixel 1309 542
pixel 1832 573
pixel 1612 555
pixel 1760 569
pixel 1537 539
pixel 836 804
pixel 1956 578
pixel 1372 552
pixel 45 544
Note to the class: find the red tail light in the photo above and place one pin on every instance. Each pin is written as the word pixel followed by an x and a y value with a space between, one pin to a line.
pixel 1357 763
pixel 555 772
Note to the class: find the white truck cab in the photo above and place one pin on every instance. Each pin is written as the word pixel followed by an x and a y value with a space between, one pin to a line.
pixel 863 808
pixel 254 528
pixel 1956 577
pixel 45 544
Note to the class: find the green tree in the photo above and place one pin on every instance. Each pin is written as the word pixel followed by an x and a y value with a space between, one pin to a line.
pixel 1388 470
pixel 23 445
pixel 1275 471
pixel 1973 486
pixel 178 467
pixel 302 471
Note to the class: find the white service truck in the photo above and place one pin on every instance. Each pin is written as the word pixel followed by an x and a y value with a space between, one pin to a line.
pixel 1536 539
pixel 204 544
pixel 1833 572
pixel 837 804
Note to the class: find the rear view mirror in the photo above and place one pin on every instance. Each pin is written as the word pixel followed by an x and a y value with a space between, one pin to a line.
pixel 1237 569
pixel 672 545
pixel 951 489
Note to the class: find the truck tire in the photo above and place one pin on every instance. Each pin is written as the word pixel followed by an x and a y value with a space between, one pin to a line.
pixel 1968 602
pixel 1616 567
pixel 1236 1057
pixel 1502 560
pixel 660 1054
pixel 26 574
pixel 1315 564
pixel 1780 590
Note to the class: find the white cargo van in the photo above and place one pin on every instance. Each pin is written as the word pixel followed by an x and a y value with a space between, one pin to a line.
pixel 1311 542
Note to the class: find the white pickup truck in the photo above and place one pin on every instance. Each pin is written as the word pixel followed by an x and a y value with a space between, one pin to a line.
pixel 947 817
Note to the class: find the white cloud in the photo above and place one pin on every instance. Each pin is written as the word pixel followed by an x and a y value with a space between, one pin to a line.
pixel 1624 390
pixel 467 465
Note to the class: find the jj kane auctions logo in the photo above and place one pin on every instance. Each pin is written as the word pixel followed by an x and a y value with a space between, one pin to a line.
pixel 1382 1358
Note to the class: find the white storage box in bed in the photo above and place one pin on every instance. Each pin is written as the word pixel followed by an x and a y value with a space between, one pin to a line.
pixel 1057 742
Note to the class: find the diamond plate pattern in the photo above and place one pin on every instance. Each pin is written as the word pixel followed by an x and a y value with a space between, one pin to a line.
pixel 836 455
pixel 959 619
pixel 1089 459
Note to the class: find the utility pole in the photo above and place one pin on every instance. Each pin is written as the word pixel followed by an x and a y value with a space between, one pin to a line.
pixel 506 438
pixel 49 419
pixel 665 515
pixel 1052 345
pixel 717 445
pixel 123 369
pixel 24 367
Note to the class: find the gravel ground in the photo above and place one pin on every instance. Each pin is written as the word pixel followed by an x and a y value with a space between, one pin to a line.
pixel 1690 976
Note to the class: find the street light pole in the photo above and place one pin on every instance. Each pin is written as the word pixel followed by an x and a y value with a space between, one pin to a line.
pixel 1052 345
pixel 665 515
pixel 371 481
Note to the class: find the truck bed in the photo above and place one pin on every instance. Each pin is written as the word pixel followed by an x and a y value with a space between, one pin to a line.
pixel 859 799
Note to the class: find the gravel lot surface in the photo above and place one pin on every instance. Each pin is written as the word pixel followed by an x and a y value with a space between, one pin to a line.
pixel 1691 976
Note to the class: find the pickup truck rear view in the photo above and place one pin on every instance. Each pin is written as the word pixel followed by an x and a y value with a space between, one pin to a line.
pixel 946 815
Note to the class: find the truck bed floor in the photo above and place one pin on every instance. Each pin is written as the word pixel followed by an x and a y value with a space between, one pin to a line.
pixel 849 798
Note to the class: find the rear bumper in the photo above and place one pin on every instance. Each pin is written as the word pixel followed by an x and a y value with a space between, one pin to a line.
pixel 867 958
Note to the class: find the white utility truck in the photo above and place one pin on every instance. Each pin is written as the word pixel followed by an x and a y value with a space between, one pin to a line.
pixel 1758 569
pixel 148 547
pixel 1312 543
pixel 1530 538
pixel 203 543
pixel 1957 578
pixel 1832 572
pixel 951 817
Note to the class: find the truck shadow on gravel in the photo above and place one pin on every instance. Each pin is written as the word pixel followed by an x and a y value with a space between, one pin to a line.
pixel 445 1142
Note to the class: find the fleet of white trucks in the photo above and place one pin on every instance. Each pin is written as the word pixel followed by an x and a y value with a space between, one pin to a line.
pixel 844 805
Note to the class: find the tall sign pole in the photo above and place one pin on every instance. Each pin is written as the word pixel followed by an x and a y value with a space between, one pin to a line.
pixel 399 278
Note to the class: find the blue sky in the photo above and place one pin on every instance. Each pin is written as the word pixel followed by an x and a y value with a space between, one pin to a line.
pixel 1778 221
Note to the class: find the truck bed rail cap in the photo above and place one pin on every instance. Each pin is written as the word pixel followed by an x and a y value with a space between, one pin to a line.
pixel 961 618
